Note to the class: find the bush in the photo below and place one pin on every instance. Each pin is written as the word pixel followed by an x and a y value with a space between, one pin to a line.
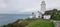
pixel 55 14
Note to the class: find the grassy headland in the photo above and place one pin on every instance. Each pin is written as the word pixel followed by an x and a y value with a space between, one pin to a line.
pixel 30 23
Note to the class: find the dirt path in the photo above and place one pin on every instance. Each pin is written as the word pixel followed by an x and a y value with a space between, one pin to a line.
pixel 57 23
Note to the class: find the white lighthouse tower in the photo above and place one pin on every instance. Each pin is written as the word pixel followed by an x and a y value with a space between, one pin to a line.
pixel 43 7
pixel 41 14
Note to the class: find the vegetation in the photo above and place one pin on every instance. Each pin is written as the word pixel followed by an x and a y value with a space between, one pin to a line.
pixel 30 23
pixel 55 14
pixel 40 23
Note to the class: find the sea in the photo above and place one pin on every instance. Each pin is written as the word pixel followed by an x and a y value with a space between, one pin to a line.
pixel 10 18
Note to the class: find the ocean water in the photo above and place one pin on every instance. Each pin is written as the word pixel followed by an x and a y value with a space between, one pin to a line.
pixel 9 18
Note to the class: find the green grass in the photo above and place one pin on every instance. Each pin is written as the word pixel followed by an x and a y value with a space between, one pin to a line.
pixel 31 23
pixel 40 23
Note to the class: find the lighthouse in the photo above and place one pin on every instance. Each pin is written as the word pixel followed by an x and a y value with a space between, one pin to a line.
pixel 43 6
pixel 41 14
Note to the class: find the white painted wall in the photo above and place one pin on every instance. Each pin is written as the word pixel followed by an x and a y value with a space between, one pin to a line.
pixel 47 16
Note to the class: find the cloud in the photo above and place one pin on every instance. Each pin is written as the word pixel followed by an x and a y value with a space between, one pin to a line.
pixel 22 6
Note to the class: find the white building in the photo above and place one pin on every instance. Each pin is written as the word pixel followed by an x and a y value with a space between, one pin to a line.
pixel 46 16
pixel 40 14
pixel 43 6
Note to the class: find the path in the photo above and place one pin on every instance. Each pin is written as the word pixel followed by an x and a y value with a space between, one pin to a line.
pixel 57 23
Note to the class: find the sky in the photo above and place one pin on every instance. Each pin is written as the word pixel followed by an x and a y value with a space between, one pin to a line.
pixel 26 6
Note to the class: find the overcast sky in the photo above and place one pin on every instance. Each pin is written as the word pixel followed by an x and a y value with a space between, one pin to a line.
pixel 25 6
